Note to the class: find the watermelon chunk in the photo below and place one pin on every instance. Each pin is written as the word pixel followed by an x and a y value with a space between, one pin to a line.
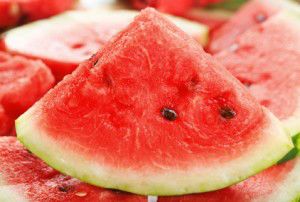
pixel 20 11
pixel 22 82
pixel 252 13
pixel 279 183
pixel 270 67
pixel 64 41
pixel 155 115
pixel 23 177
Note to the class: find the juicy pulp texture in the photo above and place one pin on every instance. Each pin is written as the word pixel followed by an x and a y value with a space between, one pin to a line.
pixel 252 13
pixel 66 40
pixel 280 183
pixel 269 66
pixel 112 131
pixel 22 82
pixel 25 178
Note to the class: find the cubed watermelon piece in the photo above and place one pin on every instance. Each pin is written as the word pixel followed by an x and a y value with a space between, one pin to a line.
pixel 22 83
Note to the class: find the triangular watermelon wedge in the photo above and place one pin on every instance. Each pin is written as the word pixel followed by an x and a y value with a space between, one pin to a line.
pixel 152 113
pixel 270 66
pixel 252 13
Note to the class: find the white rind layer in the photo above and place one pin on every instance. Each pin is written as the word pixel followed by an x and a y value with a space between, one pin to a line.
pixel 273 145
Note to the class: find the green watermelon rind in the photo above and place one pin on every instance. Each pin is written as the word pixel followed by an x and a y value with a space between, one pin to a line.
pixel 266 153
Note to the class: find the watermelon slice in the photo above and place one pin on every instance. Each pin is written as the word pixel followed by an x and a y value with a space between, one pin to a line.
pixel 252 13
pixel 155 115
pixel 13 12
pixel 280 183
pixel 269 67
pixel 22 82
pixel 64 41
pixel 23 177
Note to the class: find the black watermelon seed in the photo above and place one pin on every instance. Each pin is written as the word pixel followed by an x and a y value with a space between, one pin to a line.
pixel 169 114
pixel 260 17
pixel 227 113
pixel 64 188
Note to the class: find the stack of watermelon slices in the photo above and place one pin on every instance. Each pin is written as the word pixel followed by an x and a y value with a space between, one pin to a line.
pixel 154 114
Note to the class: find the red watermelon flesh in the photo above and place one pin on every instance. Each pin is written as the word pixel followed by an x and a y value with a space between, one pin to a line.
pixel 6 123
pixel 277 184
pixel 22 83
pixel 9 13
pixel 252 13
pixel 65 41
pixel 13 12
pixel 153 114
pixel 267 60
pixel 23 177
